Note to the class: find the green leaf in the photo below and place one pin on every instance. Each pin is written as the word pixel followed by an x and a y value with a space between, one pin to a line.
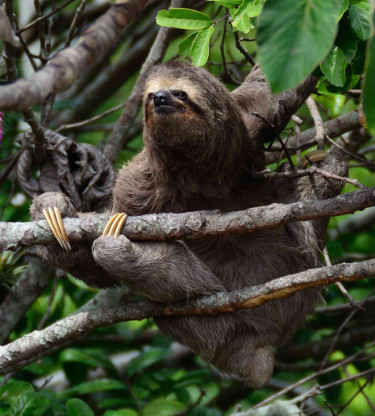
pixel 293 38
pixel 77 407
pixel 360 19
pixel 146 359
pixel 184 49
pixel 90 358
pixel 29 403
pixel 250 8
pixel 200 49
pixel 103 384
pixel 255 8
pixel 183 19
pixel 13 389
pixel 368 96
pixel 162 407
pixel 244 24
pixel 334 66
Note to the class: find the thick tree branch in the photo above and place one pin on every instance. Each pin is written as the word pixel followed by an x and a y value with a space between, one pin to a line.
pixel 40 343
pixel 190 225
pixel 66 66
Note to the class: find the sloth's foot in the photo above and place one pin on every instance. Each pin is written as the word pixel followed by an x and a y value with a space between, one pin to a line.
pixel 53 217
pixel 114 225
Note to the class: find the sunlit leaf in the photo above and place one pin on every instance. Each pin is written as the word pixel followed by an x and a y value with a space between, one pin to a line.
pixel 360 18
pixel 333 67
pixel 183 19
pixel 293 38
pixel 184 49
pixel 244 24
pixel 200 49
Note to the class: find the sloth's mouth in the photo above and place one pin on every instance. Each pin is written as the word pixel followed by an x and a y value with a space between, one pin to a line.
pixel 165 109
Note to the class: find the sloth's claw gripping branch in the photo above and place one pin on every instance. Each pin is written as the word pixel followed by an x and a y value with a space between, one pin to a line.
pixel 53 217
pixel 114 225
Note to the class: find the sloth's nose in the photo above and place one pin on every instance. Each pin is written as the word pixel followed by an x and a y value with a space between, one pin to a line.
pixel 162 98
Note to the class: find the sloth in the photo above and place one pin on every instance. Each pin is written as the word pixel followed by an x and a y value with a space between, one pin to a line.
pixel 201 145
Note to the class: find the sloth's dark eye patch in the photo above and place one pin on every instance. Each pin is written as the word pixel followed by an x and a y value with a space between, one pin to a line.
pixel 181 95
pixel 150 96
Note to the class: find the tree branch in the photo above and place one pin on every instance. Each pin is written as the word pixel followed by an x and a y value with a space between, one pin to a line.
pixel 66 66
pixel 190 225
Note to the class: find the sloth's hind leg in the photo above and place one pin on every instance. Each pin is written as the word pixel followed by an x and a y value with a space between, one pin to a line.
pixel 246 359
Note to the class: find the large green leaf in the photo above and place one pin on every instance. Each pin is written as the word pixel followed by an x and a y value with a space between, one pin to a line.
pixel 293 37
pixel 334 66
pixel 369 87
pixel 200 49
pixel 360 18
pixel 77 407
pixel 29 403
pixel 183 19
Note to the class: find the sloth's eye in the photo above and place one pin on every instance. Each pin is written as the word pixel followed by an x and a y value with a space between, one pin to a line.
pixel 180 94
pixel 150 96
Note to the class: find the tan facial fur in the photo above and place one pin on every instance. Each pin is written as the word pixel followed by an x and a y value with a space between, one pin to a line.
pixel 154 85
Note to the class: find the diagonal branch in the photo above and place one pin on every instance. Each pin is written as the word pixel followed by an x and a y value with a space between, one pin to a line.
pixel 190 225
pixel 66 66
pixel 38 344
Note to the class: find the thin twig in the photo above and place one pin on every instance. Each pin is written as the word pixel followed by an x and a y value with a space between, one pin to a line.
pixel 352 155
pixel 92 119
pixel 41 18
pixel 76 21
pixel 244 52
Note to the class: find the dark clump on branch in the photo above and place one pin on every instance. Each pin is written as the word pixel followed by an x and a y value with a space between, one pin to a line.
pixel 79 170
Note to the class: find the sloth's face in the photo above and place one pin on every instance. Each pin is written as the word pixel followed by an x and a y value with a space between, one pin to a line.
pixel 167 98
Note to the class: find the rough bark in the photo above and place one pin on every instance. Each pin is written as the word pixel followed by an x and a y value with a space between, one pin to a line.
pixel 190 225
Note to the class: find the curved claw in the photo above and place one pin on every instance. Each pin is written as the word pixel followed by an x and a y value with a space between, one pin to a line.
pixel 313 157
pixel 114 225
pixel 56 224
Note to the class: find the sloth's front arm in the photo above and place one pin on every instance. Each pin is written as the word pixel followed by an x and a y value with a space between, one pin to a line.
pixel 158 271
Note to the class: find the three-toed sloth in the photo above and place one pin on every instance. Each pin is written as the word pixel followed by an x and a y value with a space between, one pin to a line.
pixel 201 145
